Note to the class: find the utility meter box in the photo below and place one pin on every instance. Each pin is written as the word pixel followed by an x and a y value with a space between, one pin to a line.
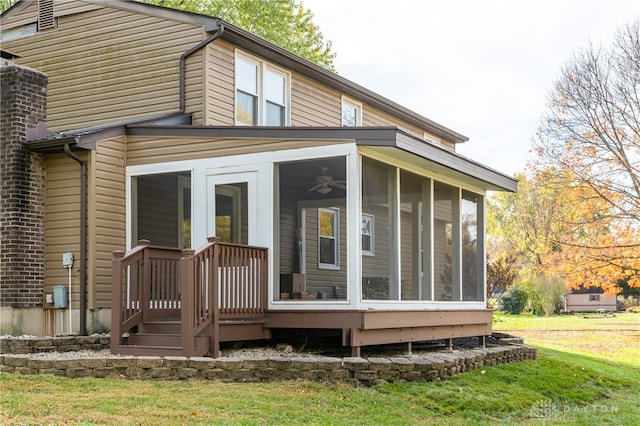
pixel 67 259
pixel 60 299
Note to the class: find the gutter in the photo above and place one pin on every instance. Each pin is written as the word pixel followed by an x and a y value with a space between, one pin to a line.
pixel 83 239
pixel 185 55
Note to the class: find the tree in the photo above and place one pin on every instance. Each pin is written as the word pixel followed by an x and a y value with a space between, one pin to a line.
pixel 6 4
pixel 558 226
pixel 591 133
pixel 501 274
pixel 527 223
pixel 545 294
pixel 285 23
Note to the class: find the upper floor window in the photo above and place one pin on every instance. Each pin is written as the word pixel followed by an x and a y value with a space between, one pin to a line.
pixel 261 94
pixel 351 113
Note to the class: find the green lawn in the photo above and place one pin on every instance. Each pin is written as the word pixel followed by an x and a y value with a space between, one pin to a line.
pixel 615 337
pixel 586 321
pixel 560 388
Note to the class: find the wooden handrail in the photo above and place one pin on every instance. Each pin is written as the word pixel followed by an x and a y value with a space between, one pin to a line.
pixel 145 280
pixel 218 281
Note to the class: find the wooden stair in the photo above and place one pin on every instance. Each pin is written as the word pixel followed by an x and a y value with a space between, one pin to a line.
pixel 159 338
pixel 163 338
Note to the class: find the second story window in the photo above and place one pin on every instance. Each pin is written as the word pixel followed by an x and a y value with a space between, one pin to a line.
pixel 351 113
pixel 261 94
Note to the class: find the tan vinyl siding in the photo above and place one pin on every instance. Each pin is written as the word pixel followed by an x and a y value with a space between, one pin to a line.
pixel 324 280
pixel 143 150
pixel 313 104
pixel 70 7
pixel 194 87
pixel 288 239
pixel 220 87
pixel 27 15
pixel 377 266
pixel 62 221
pixel 374 117
pixel 108 219
pixel 110 65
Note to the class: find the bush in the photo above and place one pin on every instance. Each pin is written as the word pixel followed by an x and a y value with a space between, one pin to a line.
pixel 513 301
pixel 547 295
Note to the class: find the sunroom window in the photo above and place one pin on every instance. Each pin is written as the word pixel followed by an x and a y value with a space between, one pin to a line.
pixel 261 93
pixel 429 237
pixel 312 229
pixel 472 261
pixel 161 209
pixel 378 271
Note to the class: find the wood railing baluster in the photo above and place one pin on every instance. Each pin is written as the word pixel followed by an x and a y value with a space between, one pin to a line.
pixel 219 281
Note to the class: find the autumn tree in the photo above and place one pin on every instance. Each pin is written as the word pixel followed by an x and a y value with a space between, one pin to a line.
pixel 285 23
pixel 591 134
pixel 527 223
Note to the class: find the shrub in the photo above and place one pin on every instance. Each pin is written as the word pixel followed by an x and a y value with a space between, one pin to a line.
pixel 547 295
pixel 513 301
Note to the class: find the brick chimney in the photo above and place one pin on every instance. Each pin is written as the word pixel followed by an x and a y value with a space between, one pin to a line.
pixel 22 183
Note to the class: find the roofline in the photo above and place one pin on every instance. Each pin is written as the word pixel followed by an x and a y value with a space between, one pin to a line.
pixel 282 57
pixel 291 61
pixel 87 138
pixel 375 137
pixel 387 136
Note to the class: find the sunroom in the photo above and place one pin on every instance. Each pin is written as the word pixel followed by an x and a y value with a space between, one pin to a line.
pixel 357 222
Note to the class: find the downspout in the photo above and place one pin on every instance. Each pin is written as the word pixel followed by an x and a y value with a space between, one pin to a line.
pixel 83 239
pixel 188 53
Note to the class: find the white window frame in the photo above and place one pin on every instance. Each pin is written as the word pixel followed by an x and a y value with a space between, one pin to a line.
pixel 336 238
pixel 371 218
pixel 262 69
pixel 348 102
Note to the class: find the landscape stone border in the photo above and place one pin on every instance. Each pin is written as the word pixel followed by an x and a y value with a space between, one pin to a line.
pixel 35 345
pixel 436 365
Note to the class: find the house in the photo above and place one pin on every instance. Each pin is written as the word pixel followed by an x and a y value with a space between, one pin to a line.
pixel 334 210
pixel 589 299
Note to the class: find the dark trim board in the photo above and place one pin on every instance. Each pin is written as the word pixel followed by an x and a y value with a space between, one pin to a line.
pixel 366 328
pixel 389 140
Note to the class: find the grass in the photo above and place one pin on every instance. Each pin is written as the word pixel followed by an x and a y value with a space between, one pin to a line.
pixel 560 388
pixel 612 338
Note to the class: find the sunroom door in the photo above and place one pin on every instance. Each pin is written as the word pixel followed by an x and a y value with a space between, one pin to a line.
pixel 231 212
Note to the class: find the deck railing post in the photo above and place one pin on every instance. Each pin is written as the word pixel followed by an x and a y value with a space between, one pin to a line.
pixel 143 287
pixel 116 301
pixel 187 302
pixel 264 280
pixel 214 264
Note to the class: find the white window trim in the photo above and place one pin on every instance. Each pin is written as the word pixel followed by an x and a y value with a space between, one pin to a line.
pixel 262 100
pixel 336 238
pixel 357 105
pixel 372 250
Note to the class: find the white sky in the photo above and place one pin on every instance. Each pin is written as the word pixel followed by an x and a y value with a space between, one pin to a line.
pixel 480 67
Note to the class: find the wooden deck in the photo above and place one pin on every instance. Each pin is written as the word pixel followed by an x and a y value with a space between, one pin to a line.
pixel 173 302
pixel 366 328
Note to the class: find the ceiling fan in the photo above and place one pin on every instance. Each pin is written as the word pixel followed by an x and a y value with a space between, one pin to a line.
pixel 323 183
